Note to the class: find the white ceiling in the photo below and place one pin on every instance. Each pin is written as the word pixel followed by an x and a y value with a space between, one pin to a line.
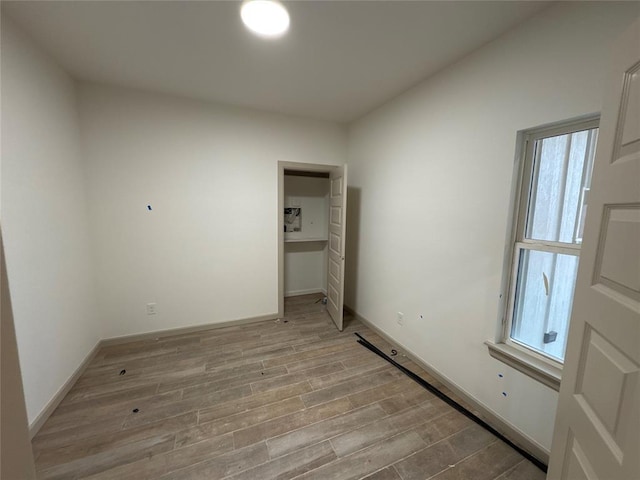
pixel 339 60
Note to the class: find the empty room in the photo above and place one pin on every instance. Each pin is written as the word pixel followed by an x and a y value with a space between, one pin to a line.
pixel 260 239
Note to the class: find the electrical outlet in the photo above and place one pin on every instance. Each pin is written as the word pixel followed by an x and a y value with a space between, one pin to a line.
pixel 151 308
pixel 400 318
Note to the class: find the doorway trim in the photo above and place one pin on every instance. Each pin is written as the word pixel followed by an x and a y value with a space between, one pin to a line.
pixel 301 167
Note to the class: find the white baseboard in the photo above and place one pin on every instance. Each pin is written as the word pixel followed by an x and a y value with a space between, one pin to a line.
pixel 49 408
pixel 136 337
pixel 496 421
pixel 295 293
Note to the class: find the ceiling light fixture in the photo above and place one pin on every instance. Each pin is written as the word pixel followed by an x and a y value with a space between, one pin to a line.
pixel 267 18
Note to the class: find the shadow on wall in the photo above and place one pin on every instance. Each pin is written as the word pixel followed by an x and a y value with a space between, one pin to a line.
pixel 352 247
pixel 16 457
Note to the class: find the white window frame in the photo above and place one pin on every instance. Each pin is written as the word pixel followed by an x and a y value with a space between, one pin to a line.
pixel 543 368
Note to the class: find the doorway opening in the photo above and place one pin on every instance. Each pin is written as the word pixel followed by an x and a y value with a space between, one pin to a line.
pixel 311 234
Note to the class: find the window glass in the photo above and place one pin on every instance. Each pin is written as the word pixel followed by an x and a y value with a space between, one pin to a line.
pixel 544 295
pixel 560 167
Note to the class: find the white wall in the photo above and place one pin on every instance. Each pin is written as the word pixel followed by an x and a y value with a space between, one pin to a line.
pixel 305 263
pixel 429 192
pixel 206 253
pixel 311 194
pixel 305 268
pixel 44 219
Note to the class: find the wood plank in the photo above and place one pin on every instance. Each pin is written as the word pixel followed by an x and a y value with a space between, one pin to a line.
pixel 292 465
pixel 293 421
pixel 224 465
pixel 300 438
pixel 265 400
pixel 108 459
pixel 239 421
pixel 369 460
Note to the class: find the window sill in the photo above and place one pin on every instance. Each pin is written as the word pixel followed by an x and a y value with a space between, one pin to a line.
pixel 530 366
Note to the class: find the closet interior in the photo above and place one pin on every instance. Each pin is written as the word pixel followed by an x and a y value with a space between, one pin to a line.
pixel 306 232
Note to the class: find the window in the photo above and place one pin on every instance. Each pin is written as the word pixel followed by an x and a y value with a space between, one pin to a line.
pixel 549 219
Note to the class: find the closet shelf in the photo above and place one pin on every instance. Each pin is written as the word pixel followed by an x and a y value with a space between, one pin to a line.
pixel 292 240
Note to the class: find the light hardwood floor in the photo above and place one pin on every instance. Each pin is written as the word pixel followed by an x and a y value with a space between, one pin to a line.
pixel 284 399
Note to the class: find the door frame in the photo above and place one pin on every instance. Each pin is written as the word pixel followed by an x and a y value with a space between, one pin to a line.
pixel 300 167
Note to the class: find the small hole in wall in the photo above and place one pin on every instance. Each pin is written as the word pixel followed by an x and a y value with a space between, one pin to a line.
pixel 135 410
pixel 504 394
pixel 149 207
pixel 500 375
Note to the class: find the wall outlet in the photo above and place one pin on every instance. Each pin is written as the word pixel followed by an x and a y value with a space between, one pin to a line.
pixel 400 318
pixel 151 308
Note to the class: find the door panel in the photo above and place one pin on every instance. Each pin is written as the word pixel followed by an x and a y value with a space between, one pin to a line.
pixel 597 431
pixel 337 211
pixel 627 140
pixel 621 232
pixel 577 465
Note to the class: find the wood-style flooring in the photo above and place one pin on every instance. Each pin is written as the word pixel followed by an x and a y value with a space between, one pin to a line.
pixel 283 399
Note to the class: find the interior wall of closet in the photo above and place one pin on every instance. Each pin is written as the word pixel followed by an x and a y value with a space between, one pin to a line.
pixel 306 230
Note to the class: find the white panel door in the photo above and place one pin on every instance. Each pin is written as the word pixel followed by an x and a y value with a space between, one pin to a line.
pixel 335 269
pixel 597 431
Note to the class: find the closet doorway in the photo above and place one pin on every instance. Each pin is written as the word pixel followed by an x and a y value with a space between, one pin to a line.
pixel 312 202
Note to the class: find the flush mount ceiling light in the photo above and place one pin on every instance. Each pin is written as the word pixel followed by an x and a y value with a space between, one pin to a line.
pixel 267 18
